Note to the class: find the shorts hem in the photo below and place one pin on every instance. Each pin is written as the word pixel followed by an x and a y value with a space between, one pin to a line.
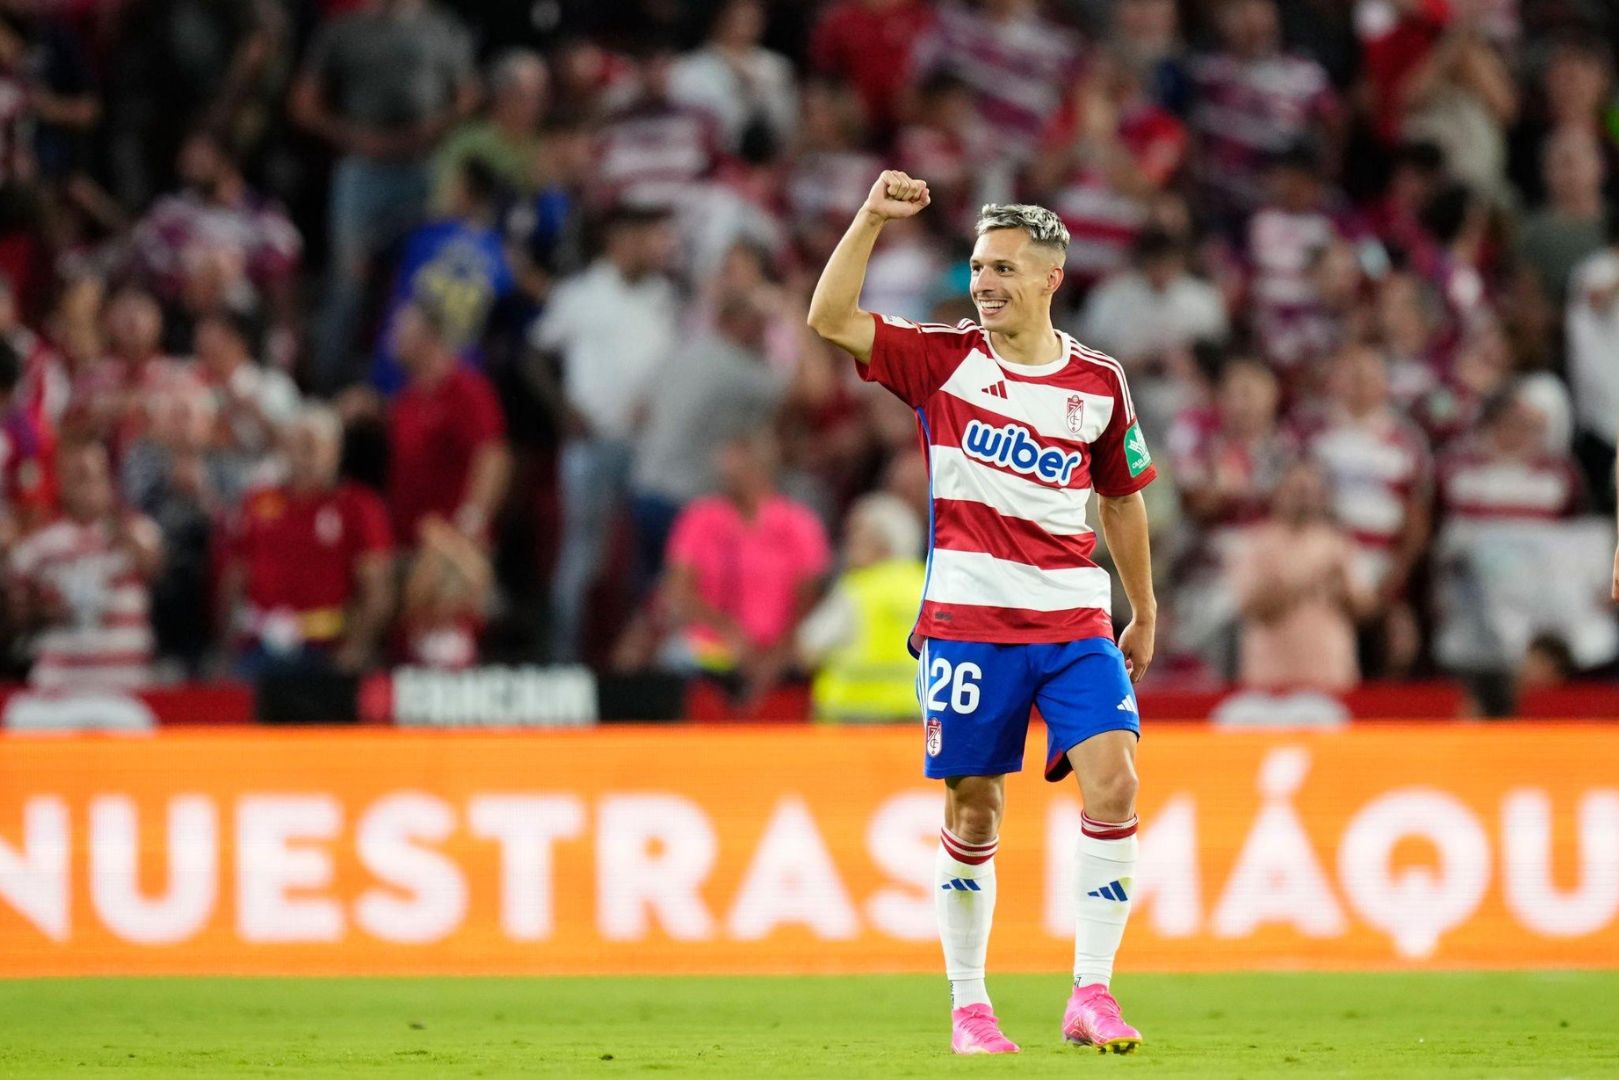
pixel 987 770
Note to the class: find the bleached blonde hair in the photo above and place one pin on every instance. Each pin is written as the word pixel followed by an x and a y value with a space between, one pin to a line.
pixel 1044 227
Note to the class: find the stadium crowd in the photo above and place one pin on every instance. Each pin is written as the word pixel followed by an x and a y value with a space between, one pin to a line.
pixel 336 333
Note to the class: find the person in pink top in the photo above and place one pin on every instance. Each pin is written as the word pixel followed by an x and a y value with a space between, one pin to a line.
pixel 743 567
pixel 1299 594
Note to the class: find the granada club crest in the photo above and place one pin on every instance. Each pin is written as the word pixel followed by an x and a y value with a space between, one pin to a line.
pixel 1076 413
pixel 935 736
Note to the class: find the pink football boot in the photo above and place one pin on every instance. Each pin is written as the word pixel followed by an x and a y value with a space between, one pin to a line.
pixel 1092 1019
pixel 974 1030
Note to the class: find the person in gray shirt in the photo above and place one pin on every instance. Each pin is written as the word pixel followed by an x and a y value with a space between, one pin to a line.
pixel 382 85
pixel 713 389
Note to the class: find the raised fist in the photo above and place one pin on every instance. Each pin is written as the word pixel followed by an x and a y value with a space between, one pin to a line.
pixel 896 195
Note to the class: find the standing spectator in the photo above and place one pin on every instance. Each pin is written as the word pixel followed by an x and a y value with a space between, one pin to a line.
pixel 1592 326
pixel 1572 226
pixel 448 456
pixel 80 583
pixel 869 45
pixel 252 401
pixel 609 328
pixel 382 85
pixel 1253 101
pixel 856 638
pixel 743 567
pixel 1022 65
pixel 1288 237
pixel 655 151
pixel 1159 306
pixel 830 170
pixel 1229 470
pixel 748 87
pixel 506 140
pixel 216 210
pixel 1462 97
pixel 457 266
pixel 1506 471
pixel 946 142
pixel 1300 593
pixel 307 582
pixel 1146 35
pixel 715 387
pixel 27 452
pixel 1379 470
pixel 1109 152
pixel 109 394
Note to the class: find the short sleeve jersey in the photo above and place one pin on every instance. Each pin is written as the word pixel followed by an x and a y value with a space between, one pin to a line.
pixel 1014 452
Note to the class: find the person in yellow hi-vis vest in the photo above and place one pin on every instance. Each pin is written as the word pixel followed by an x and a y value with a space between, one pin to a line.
pixel 855 641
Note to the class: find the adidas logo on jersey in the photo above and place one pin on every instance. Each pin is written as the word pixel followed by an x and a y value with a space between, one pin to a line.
pixel 1129 705
pixel 996 389
pixel 1014 447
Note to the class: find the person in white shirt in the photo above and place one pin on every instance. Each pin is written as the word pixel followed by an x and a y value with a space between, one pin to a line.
pixel 742 84
pixel 608 329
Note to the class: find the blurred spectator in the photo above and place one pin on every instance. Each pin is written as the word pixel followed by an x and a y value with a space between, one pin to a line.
pixel 655 151
pixel 177 473
pixel 1506 471
pixel 1300 593
pixel 1146 35
pixel 1547 664
pixel 1105 155
pixel 506 140
pixel 1575 94
pixel 831 171
pixel 448 456
pixel 217 212
pixel 743 569
pixel 1592 327
pixel 382 85
pixel 715 387
pixel 307 581
pixel 251 401
pixel 946 141
pixel 1159 306
pixel 748 87
pixel 1379 471
pixel 1417 171
pixel 1252 101
pixel 856 638
pixel 1573 224
pixel 27 453
pixel 609 327
pixel 79 584
pixel 1288 241
pixel 869 45
pixel 111 390
pixel 1228 470
pixel 48 100
pixel 1022 66
pixel 457 266
pixel 448 586
pixel 1462 98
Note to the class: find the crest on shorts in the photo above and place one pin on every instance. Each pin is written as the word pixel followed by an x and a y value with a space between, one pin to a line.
pixel 935 736
pixel 1076 413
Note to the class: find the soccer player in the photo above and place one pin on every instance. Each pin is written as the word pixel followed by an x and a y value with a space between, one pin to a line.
pixel 1021 422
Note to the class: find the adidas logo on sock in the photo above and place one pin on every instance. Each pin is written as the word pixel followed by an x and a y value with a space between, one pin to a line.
pixel 1129 705
pixel 997 389
pixel 1111 891
pixel 961 885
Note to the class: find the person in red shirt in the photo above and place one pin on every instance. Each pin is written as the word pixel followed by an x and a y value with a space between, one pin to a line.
pixel 27 453
pixel 448 455
pixel 868 45
pixel 307 583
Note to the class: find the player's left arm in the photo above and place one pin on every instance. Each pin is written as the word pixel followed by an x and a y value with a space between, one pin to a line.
pixel 1124 526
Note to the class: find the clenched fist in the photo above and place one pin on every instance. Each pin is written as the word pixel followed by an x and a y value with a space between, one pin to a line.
pixel 896 195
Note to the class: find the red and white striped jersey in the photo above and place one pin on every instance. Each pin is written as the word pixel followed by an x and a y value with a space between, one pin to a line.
pixel 1014 452
pixel 104 640
pixel 1478 484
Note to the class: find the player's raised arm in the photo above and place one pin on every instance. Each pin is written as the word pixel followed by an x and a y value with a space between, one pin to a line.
pixel 834 311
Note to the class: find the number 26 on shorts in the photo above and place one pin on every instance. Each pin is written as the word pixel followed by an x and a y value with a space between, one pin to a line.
pixel 962 680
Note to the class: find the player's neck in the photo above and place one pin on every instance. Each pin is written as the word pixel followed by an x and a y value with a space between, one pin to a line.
pixel 1032 346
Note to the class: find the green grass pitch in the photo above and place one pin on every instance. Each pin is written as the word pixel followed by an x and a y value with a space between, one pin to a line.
pixel 1294 1025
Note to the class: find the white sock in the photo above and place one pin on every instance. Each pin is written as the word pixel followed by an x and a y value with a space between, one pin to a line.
pixel 964 898
pixel 1104 878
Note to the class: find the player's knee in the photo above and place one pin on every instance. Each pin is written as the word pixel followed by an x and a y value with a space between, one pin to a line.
pixel 1112 797
pixel 975 814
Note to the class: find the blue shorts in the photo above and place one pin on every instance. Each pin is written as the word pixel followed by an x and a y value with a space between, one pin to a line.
pixel 976 699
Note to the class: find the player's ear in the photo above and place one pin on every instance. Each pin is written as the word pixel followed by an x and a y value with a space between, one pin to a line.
pixel 1054 278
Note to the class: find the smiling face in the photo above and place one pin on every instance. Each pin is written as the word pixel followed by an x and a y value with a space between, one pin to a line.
pixel 1013 280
